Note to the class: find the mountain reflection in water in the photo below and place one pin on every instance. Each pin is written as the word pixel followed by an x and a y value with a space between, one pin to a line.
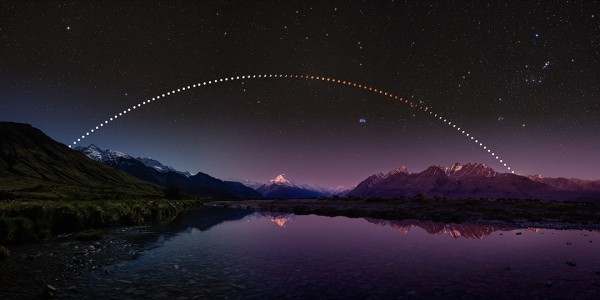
pixel 466 230
pixel 217 253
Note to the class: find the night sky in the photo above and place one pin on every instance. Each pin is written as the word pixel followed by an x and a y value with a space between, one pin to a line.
pixel 524 78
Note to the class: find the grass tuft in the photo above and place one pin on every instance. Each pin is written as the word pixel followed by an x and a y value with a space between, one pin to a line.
pixel 27 221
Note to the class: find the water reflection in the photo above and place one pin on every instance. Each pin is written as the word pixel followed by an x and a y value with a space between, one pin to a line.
pixel 465 230
pixel 470 231
pixel 281 219
pixel 204 218
pixel 215 253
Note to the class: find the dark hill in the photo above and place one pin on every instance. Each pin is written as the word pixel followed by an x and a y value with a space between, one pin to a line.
pixel 197 185
pixel 32 165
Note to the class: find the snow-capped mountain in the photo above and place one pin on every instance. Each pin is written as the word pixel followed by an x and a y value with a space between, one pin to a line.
pixel 280 179
pixel 155 172
pixel 473 180
pixel 33 165
pixel 107 156
pixel 340 190
pixel 92 151
pixel 153 163
pixel 458 170
pixel 281 187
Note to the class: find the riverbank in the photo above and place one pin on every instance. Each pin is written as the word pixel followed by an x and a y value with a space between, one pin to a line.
pixel 44 270
pixel 37 220
pixel 78 236
pixel 509 213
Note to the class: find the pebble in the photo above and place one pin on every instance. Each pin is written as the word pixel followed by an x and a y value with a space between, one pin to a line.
pixel 49 291
pixel 571 264
pixel 4 253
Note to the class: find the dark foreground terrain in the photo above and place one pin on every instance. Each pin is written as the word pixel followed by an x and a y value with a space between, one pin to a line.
pixel 34 269
pixel 37 220
pixel 44 242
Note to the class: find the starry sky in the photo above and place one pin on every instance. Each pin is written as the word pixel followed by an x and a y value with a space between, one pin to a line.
pixel 523 77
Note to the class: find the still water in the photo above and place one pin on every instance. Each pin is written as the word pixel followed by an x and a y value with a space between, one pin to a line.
pixel 217 253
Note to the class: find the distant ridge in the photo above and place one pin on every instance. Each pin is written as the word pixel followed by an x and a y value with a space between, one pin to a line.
pixel 155 172
pixel 474 180
pixel 281 187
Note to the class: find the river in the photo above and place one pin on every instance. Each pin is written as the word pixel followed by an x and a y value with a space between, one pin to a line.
pixel 219 253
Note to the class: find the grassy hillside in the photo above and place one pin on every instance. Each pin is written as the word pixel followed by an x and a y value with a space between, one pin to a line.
pixel 32 165
pixel 27 221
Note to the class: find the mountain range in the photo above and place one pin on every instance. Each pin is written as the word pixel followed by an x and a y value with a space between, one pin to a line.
pixel 474 180
pixel 32 165
pixel 155 172
pixel 281 187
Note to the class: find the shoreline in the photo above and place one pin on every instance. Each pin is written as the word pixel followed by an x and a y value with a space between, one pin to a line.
pixel 24 221
pixel 44 258
pixel 33 267
pixel 519 213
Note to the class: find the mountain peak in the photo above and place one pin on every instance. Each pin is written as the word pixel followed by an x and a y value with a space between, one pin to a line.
pixel 536 176
pixel 96 153
pixel 454 167
pixel 432 171
pixel 399 170
pixel 458 170
pixel 281 187
pixel 280 179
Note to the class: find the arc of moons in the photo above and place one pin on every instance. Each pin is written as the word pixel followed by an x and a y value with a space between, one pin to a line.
pixel 412 104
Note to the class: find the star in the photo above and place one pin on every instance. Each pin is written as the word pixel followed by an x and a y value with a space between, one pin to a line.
pixel 546 64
